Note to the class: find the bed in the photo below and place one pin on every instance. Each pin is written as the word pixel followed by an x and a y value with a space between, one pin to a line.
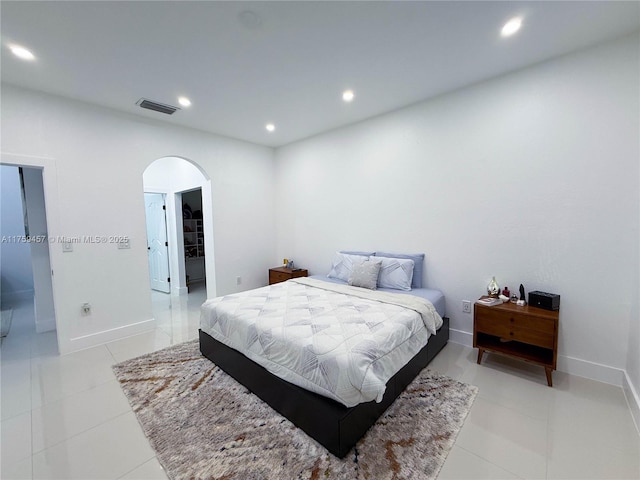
pixel 328 356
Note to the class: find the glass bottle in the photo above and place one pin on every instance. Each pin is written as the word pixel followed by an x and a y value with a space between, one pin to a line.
pixel 493 289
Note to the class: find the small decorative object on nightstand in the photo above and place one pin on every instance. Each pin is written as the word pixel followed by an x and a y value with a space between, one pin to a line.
pixel 523 332
pixel 282 274
pixel 493 289
pixel 522 300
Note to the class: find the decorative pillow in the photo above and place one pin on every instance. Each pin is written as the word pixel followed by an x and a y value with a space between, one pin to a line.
pixel 395 273
pixel 365 274
pixel 418 260
pixel 343 264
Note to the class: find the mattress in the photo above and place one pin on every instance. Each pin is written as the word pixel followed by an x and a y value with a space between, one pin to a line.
pixel 335 340
pixel 436 297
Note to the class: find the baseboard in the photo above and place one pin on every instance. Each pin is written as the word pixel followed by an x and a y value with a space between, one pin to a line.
pixel 572 366
pixel 106 336
pixel 591 370
pixel 633 399
pixel 9 298
pixel 179 290
pixel 461 337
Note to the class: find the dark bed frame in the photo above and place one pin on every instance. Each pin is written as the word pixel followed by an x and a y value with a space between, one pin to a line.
pixel 333 425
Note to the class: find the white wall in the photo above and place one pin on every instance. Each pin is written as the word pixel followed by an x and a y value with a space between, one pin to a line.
pixel 531 177
pixel 632 379
pixel 15 254
pixel 99 157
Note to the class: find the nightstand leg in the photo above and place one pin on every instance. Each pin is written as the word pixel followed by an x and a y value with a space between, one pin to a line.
pixel 548 372
pixel 480 352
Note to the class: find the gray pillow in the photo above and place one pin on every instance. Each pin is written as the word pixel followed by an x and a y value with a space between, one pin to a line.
pixel 365 274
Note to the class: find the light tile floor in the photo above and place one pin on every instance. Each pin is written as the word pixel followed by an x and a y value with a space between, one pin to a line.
pixel 66 417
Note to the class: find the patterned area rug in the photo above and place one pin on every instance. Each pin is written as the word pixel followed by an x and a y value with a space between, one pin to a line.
pixel 205 425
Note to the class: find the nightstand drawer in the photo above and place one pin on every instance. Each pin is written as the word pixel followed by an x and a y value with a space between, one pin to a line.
pixel 282 274
pixel 507 331
pixel 277 277
pixel 517 320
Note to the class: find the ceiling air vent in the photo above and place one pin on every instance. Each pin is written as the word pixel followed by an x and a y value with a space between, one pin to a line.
pixel 156 106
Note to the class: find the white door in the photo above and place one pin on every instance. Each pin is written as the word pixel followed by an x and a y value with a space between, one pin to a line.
pixel 157 245
pixel 44 310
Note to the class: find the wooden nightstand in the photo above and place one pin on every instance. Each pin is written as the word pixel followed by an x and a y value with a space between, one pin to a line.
pixel 282 274
pixel 527 333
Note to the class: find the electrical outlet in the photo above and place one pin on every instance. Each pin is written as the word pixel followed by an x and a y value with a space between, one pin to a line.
pixel 466 306
pixel 238 280
pixel 86 309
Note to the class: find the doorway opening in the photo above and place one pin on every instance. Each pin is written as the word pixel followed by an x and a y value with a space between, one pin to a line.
pixel 27 300
pixel 193 238
pixel 180 236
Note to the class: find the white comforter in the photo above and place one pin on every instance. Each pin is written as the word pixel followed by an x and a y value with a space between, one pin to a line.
pixel 339 341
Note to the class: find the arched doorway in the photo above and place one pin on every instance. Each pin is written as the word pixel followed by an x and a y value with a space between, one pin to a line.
pixel 190 247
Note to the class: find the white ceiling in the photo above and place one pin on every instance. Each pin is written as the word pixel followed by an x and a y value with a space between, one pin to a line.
pixel 290 68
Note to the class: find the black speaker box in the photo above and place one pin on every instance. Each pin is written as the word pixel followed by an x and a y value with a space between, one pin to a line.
pixel 548 301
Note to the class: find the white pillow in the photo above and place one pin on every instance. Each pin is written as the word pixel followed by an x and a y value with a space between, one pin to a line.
pixel 395 273
pixel 343 264
pixel 365 274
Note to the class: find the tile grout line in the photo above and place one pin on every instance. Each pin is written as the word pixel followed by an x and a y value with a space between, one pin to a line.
pixel 138 466
pixel 489 461
pixel 111 353
pixel 494 401
pixel 31 401
pixel 79 433
pixel 467 370
pixel 548 442
pixel 467 367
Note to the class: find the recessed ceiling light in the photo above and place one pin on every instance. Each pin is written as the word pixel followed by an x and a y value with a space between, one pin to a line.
pixel 511 27
pixel 348 95
pixel 21 52
pixel 270 127
pixel 184 101
pixel 250 19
